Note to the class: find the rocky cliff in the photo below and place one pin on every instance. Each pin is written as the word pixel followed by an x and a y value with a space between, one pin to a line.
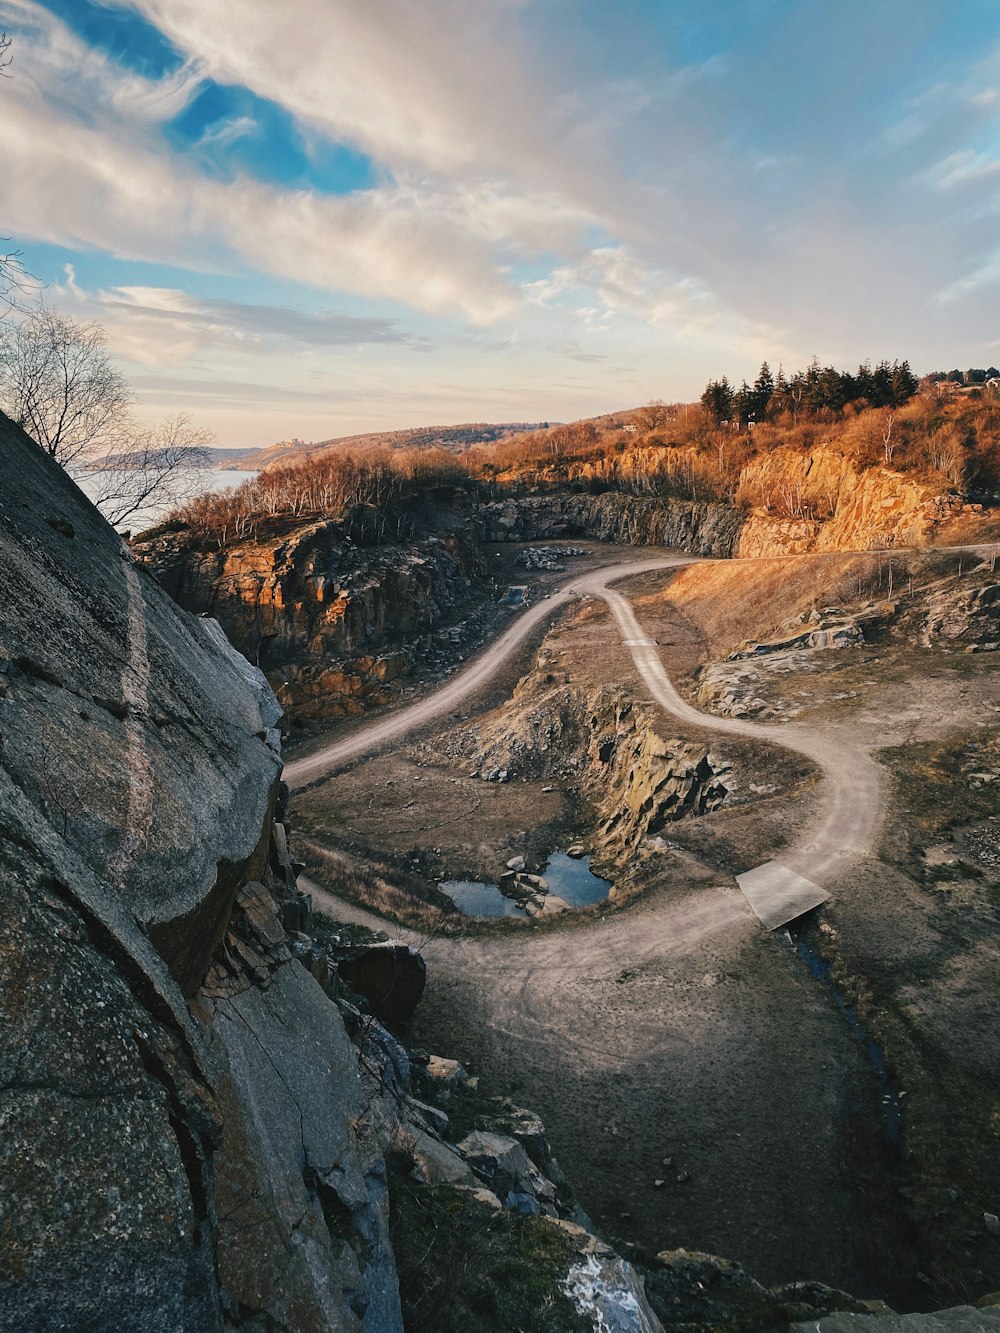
pixel 790 503
pixel 333 623
pixel 636 776
pixel 702 527
pixel 820 502
pixel 202 1127
pixel 169 1161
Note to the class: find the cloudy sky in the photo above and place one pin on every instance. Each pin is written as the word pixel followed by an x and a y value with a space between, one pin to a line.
pixel 321 216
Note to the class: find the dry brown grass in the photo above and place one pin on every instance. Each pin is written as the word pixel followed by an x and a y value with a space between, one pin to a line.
pixel 365 886
pixel 738 600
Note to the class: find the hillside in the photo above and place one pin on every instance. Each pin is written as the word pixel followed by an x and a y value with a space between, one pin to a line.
pixel 453 438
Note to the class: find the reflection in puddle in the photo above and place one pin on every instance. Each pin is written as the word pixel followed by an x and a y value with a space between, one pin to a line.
pixel 569 878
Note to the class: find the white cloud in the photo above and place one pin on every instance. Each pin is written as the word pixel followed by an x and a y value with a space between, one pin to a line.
pixel 226 132
pixel 86 176
pixel 443 87
pixel 162 327
pixel 628 287
pixel 960 167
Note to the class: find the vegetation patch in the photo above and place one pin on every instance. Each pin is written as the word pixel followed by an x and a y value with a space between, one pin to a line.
pixel 461 1267
pixel 416 905
pixel 941 785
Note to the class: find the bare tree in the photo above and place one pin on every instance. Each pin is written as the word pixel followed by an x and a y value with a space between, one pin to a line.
pixel 655 414
pixel 158 467
pixel 888 443
pixel 58 382
pixel 15 281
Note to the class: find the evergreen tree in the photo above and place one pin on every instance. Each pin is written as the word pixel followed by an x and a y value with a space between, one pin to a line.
pixel 743 403
pixel 904 383
pixel 717 400
pixel 761 393
pixel 881 389
pixel 781 399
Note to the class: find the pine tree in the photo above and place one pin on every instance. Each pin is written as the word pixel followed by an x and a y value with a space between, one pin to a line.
pixel 904 383
pixel 762 390
pixel 717 400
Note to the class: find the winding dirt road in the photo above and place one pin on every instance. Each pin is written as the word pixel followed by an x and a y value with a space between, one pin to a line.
pixel 313 767
pixel 851 800
pixel 675 1032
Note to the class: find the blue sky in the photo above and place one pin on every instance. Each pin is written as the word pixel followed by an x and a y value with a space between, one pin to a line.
pixel 332 215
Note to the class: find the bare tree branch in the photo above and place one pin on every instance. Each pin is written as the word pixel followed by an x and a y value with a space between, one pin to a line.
pixel 58 382
pixel 158 468
pixel 16 283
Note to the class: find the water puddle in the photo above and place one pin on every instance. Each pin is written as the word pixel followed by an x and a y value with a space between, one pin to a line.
pixel 569 878
pixel 476 898
pixel 890 1107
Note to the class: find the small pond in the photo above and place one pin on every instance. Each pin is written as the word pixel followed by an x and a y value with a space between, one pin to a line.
pixel 569 877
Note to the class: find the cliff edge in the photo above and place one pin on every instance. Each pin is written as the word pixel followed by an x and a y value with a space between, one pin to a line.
pixel 160 1167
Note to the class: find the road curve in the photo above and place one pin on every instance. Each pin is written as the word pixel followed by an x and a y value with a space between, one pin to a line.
pixel 851 805
pixel 312 767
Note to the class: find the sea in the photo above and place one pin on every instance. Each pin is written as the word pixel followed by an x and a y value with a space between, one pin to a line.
pixel 210 479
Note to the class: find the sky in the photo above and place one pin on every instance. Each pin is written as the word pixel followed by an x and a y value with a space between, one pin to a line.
pixel 318 217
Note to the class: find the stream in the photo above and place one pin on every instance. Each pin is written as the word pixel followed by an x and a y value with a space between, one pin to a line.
pixel 890 1107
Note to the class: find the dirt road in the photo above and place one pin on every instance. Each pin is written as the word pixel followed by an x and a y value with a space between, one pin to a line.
pixel 699 1088
pixel 851 803
pixel 317 765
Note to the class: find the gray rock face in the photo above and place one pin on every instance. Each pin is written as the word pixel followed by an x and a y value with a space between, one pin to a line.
pixel 161 1167
pixel 301 1183
pixel 105 1106
pixel 705 528
pixel 125 722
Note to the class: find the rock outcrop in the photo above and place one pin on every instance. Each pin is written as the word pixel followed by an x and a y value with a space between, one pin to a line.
pixel 333 623
pixel 638 778
pixel 789 503
pixel 171 1158
pixel 962 613
pixel 704 528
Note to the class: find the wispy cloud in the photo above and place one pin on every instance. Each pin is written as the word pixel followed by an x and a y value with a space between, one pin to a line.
pixel 572 350
pixel 226 132
pixel 164 326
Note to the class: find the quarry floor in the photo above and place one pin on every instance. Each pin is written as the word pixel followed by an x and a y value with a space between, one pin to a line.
pixel 700 1087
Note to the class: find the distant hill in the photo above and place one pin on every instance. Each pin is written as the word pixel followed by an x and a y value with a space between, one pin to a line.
pixel 456 439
